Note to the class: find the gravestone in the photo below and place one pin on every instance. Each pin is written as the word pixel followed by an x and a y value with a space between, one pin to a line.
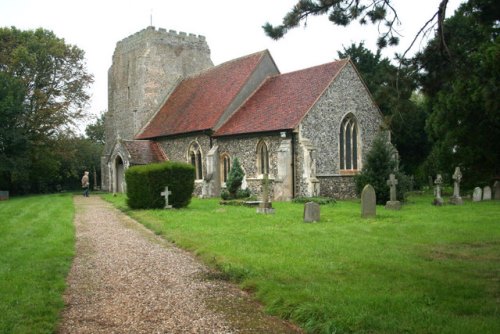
pixel 438 201
pixel 166 193
pixel 477 194
pixel 457 177
pixel 311 212
pixel 266 206
pixel 393 203
pixel 487 193
pixel 496 189
pixel 4 195
pixel 368 202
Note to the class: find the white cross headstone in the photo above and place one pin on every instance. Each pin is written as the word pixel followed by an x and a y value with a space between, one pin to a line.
pixel 166 193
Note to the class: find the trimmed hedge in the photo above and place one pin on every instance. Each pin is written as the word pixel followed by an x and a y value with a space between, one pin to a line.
pixel 145 183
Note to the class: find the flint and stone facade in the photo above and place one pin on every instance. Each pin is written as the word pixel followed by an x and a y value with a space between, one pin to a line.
pixel 302 161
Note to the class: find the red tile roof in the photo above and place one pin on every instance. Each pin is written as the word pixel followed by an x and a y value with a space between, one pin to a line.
pixel 198 102
pixel 282 101
pixel 143 152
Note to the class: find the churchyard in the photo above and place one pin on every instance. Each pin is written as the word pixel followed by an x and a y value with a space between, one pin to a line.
pixel 423 268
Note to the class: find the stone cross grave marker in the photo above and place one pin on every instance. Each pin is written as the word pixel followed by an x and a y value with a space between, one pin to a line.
pixel 457 177
pixel 266 206
pixel 368 202
pixel 496 189
pixel 438 200
pixel 477 194
pixel 393 203
pixel 165 194
pixel 311 212
pixel 487 193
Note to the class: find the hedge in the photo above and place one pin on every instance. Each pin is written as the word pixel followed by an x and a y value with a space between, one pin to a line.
pixel 145 183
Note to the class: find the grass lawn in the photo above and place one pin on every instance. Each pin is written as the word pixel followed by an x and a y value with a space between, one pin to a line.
pixel 423 269
pixel 36 250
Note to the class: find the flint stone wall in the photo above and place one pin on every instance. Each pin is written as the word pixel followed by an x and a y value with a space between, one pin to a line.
pixel 177 149
pixel 347 94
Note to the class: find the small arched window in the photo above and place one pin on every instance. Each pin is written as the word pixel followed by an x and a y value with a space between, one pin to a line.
pixel 225 167
pixel 195 158
pixel 348 142
pixel 262 158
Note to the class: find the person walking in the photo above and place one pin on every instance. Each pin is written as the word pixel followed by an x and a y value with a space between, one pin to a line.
pixel 85 184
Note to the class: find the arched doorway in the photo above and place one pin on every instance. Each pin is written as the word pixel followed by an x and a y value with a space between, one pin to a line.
pixel 119 175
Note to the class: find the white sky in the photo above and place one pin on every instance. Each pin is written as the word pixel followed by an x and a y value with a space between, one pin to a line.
pixel 232 29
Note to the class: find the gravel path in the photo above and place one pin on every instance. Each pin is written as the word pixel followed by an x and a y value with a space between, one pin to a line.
pixel 125 279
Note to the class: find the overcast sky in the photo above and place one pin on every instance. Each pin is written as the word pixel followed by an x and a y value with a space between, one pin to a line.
pixel 232 29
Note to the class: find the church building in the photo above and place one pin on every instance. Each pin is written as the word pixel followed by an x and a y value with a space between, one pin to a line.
pixel 309 130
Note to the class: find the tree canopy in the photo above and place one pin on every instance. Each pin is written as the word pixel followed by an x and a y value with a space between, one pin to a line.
pixel 43 93
pixel 463 93
pixel 342 12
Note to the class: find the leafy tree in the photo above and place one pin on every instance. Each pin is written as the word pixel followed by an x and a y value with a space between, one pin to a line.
pixel 463 93
pixel 13 138
pixel 43 83
pixel 343 12
pixel 95 131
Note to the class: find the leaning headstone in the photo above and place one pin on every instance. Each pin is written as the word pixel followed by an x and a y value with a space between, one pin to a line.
pixel 165 194
pixel 311 212
pixel 393 203
pixel 487 193
pixel 496 189
pixel 477 194
pixel 457 177
pixel 368 202
pixel 438 201
pixel 266 206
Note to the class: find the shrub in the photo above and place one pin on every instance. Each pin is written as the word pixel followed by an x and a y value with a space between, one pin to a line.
pixel 378 165
pixel 145 183
pixel 235 178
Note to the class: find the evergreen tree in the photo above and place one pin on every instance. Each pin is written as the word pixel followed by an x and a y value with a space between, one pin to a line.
pixel 379 164
pixel 235 178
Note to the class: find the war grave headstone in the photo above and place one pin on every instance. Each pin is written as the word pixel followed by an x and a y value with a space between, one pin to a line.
pixel 457 177
pixel 311 212
pixel 438 201
pixel 165 194
pixel 393 203
pixel 487 193
pixel 368 202
pixel 477 194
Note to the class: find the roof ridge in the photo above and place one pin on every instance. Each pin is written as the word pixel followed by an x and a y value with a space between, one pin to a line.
pixel 195 75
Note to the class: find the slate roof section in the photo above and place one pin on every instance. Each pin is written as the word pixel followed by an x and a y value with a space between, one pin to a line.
pixel 282 101
pixel 198 102
pixel 143 152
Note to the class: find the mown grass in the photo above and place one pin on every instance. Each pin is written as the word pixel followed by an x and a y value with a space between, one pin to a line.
pixel 36 249
pixel 423 269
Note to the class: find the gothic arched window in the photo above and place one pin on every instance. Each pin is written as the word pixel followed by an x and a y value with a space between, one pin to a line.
pixel 225 167
pixel 262 158
pixel 195 158
pixel 348 143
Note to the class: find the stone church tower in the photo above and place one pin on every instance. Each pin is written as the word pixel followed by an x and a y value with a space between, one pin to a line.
pixel 146 67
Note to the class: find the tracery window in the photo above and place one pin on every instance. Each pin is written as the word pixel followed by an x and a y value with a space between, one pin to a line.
pixel 196 159
pixel 348 142
pixel 262 158
pixel 225 167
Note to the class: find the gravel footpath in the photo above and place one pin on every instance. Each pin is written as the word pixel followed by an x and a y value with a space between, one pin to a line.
pixel 125 279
